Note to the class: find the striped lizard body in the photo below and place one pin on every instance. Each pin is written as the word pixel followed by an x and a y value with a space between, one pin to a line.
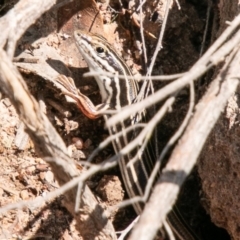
pixel 116 93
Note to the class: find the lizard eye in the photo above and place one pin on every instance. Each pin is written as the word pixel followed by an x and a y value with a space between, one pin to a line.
pixel 100 50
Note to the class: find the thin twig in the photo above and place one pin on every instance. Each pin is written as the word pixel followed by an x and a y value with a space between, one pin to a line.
pixel 128 229
pixel 168 230
pixel 142 35
pixel 138 78
pixel 111 138
pixel 206 27
pixel 159 43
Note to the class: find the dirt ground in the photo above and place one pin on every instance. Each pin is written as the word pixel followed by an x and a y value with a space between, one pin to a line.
pixel 24 175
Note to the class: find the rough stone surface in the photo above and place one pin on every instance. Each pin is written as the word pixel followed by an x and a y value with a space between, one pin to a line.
pixel 219 164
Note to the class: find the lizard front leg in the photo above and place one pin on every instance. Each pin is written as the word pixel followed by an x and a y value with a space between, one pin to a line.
pixel 83 102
